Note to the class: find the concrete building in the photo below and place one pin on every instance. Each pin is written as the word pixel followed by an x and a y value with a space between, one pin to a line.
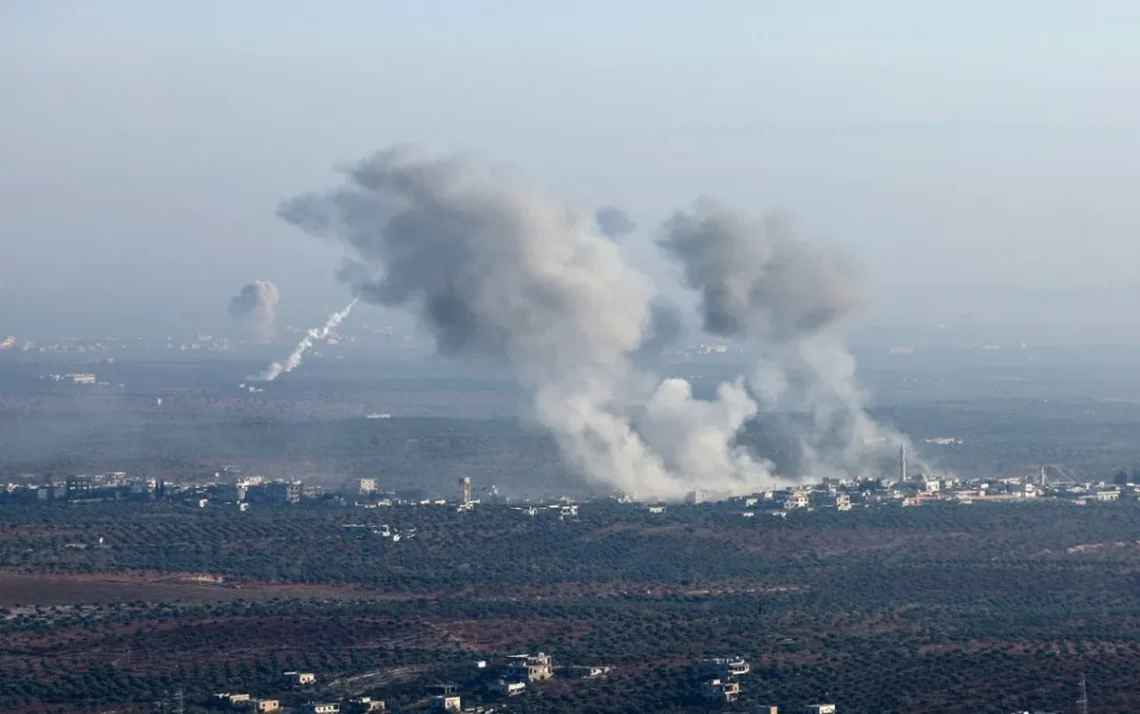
pixel 446 703
pixel 368 486
pixel 725 667
pixel 798 499
pixel 364 705
pixel 587 672
pixel 465 489
pixel 264 706
pixel 301 678
pixel 695 497
pixel 322 708
pixel 766 710
pixel 507 688
pixel 819 709
pixel 276 493
pixel 721 690
pixel 533 668
pixel 236 701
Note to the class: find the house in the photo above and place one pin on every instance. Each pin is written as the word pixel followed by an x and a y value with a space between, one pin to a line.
pixel 656 509
pixel 363 705
pixel 233 700
pixel 263 706
pixel 725 667
pixel 587 672
pixel 322 708
pixel 301 678
pixel 819 709
pixel 507 688
pixel 446 703
pixel 721 690
pixel 533 668
pixel 796 500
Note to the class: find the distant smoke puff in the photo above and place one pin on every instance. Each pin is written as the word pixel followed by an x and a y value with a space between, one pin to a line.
pixel 256 304
pixel 614 222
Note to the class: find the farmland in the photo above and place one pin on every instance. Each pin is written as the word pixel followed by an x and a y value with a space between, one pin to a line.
pixel 989 607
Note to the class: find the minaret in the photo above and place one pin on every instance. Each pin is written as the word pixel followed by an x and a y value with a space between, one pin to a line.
pixel 902 463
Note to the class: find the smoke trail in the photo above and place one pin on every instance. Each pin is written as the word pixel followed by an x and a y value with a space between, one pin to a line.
pixel 495 268
pixel 256 303
pixel 758 281
pixel 276 369
pixel 614 222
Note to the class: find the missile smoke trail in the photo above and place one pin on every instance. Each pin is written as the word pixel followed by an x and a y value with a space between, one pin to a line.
pixel 293 361
pixel 497 269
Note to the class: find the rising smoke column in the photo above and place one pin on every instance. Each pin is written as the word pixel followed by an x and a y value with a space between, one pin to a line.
pixel 495 268
pixel 614 222
pixel 256 304
pixel 276 369
pixel 758 281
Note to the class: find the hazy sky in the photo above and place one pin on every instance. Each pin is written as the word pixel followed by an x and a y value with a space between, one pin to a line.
pixel 973 144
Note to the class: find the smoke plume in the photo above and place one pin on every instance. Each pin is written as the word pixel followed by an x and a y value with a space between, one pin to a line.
pixel 276 369
pixel 614 222
pixel 256 305
pixel 758 281
pixel 496 268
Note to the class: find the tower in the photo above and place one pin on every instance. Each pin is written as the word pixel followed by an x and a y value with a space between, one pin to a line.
pixel 902 463
pixel 1083 702
pixel 465 489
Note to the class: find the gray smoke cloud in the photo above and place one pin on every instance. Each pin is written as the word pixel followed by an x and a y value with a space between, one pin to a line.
pixel 757 280
pixel 256 305
pixel 495 267
pixel 614 222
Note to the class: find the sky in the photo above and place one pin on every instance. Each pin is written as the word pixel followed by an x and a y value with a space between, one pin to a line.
pixel 977 160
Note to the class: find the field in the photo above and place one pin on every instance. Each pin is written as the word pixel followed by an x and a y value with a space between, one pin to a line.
pixel 985 608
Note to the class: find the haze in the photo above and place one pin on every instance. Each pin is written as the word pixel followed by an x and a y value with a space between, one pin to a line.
pixel 977 160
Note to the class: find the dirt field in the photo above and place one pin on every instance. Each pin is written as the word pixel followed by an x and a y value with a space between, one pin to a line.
pixel 18 588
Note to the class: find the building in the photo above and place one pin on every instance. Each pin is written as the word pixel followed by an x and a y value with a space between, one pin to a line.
pixel 819 709
pixel 465 489
pixel 78 486
pixel 766 710
pixel 798 499
pixel 587 672
pixel 695 497
pixel 507 688
pixel 234 700
pixel 533 668
pixel 721 690
pixel 446 703
pixel 725 667
pixel 368 486
pixel 656 509
pixel 322 708
pixel 263 706
pixel 276 493
pixel 364 705
pixel 301 678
